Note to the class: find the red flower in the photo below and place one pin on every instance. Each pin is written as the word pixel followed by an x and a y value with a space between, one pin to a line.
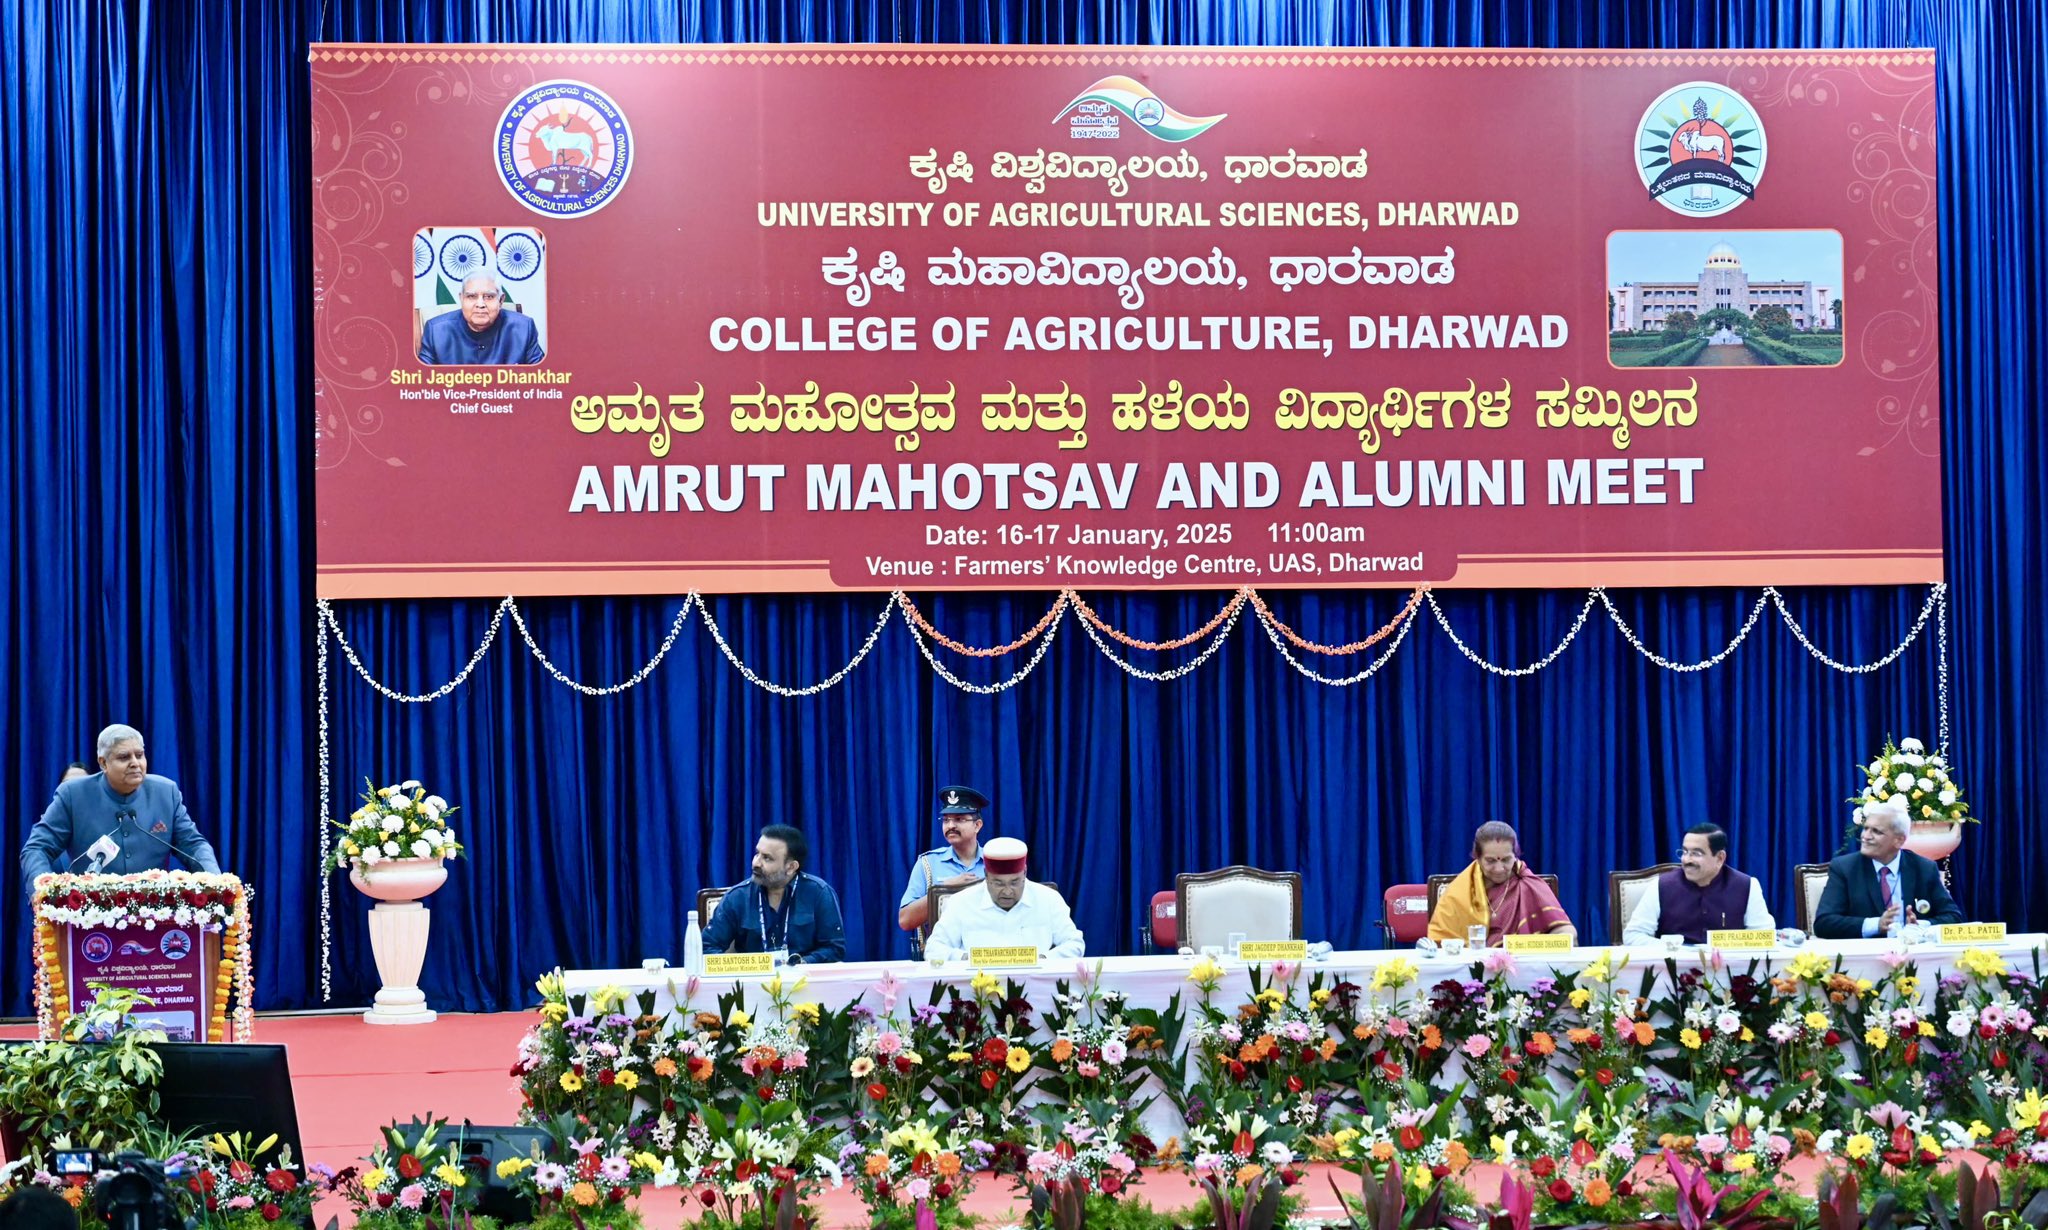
pixel 708 1195
pixel 1998 1059
pixel 1511 1076
pixel 1986 1032
pixel 1112 1182
pixel 1560 1191
pixel 942 1189
pixel 1543 1167
pixel 385 1200
pixel 1582 1153
pixel 2004 1138
pixel 1294 1084
pixel 995 1050
pixel 1913 1051
pixel 617 1195
pixel 879 1091
pixel 1243 1145
pixel 744 1169
pixel 1440 1170
pixel 1236 1070
pixel 281 1180
pixel 202 1182
pixel 1624 1188
pixel 1739 1138
pixel 882 1188
pixel 988 1080
pixel 1833 1037
pixel 410 1167
pixel 767 1093
pixel 213 1204
pixel 606 1077
pixel 243 1171
pixel 1605 1076
pixel 271 1212
pixel 903 1063
pixel 1411 1137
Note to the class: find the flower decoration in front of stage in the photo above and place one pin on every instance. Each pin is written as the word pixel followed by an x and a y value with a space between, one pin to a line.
pixel 1905 775
pixel 413 1178
pixel 916 1164
pixel 394 824
pixel 233 1188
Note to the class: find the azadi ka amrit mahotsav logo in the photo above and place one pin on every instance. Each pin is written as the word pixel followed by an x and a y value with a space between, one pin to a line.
pixel 1099 111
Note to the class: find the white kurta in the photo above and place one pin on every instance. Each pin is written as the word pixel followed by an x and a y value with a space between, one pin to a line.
pixel 972 919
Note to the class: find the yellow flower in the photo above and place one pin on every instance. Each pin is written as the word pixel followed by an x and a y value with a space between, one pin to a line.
pixel 1742 1161
pixel 1909 986
pixel 549 985
pixel 1978 1130
pixel 739 1019
pixel 1580 997
pixel 554 1013
pixel 1858 1147
pixel 985 984
pixel 1876 1039
pixel 647 1161
pixel 1583 1125
pixel 450 1175
pixel 513 1165
pixel 1816 1020
pixel 1863 985
pixel 350 848
pixel 1689 1038
pixel 1748 1034
pixel 958 1057
pixel 807 1012
pixel 605 999
pixel 1927 1029
pixel 1600 970
pixel 1929 1144
pixel 1982 963
pixel 1271 998
pixel 1398 972
pixel 374 1179
pixel 2026 1113
pixel 1018 1059
pixel 1206 974
pixel 1320 997
pixel 628 1081
pixel 571 1082
pixel 1808 966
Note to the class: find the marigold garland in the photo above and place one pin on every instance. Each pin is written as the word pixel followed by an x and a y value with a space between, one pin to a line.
pixel 1230 608
pixel 211 902
pixel 924 625
pixel 1301 642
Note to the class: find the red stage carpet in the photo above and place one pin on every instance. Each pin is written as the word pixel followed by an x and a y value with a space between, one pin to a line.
pixel 350 1079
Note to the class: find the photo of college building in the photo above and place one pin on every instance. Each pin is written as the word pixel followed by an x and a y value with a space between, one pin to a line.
pixel 1723 283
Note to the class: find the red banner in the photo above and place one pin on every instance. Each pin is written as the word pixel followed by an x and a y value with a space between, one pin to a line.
pixel 648 319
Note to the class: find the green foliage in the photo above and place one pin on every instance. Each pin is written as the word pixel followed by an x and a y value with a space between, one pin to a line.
pixel 1774 321
pixel 99 1094
pixel 1680 324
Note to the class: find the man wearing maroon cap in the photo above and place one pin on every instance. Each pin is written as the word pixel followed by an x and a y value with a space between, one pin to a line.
pixel 1006 910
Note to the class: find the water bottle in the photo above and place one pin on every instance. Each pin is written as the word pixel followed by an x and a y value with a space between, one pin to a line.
pixel 693 946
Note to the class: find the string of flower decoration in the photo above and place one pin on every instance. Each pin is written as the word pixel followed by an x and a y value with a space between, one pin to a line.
pixel 1935 597
pixel 1227 611
pixel 831 680
pixel 915 616
pixel 983 689
pixel 674 629
pixel 1516 672
pixel 1301 642
pixel 1941 663
pixel 1405 622
pixel 419 698
pixel 1231 612
pixel 326 829
pixel 1629 634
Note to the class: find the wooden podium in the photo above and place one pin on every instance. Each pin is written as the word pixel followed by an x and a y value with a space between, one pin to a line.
pixel 179 938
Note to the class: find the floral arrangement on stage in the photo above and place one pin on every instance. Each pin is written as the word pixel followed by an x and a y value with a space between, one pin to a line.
pixel 1904 773
pixel 594 1181
pixel 395 822
pixel 208 902
pixel 914 1171
pixel 231 1187
pixel 413 1179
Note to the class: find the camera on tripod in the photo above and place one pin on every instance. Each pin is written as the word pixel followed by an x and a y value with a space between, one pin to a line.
pixel 134 1194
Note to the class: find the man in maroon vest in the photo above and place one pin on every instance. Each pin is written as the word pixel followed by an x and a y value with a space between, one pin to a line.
pixel 1704 894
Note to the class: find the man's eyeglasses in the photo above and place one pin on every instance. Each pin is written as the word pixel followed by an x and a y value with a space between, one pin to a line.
pixel 1683 855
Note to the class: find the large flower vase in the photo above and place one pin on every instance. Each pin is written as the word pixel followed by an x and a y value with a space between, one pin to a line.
pixel 1935 841
pixel 398 934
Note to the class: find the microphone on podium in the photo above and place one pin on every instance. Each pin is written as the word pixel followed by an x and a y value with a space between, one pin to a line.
pixel 101 853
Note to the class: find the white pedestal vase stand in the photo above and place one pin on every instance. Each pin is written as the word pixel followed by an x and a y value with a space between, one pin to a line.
pixel 398 934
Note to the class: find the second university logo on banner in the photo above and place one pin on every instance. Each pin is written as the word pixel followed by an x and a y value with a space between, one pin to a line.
pixel 564 148
pixel 1700 149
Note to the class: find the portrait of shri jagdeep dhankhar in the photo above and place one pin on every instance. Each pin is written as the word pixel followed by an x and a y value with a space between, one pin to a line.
pixel 482 330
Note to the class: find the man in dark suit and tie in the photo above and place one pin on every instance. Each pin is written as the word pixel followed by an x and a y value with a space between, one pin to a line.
pixel 1884 885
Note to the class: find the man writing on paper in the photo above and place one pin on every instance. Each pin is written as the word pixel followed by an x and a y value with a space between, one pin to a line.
pixel 958 862
pixel 120 820
pixel 1006 911
pixel 1882 886
pixel 1499 890
pixel 782 909
pixel 1704 894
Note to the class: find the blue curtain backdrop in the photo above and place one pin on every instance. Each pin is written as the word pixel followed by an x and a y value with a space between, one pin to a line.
pixel 155 515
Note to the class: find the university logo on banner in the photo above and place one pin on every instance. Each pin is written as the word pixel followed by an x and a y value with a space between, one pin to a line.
pixel 564 148
pixel 1700 149
pixel 1099 110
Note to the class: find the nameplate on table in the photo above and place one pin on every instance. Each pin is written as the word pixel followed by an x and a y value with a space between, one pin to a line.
pixel 1261 952
pixel 1739 939
pixel 738 964
pixel 1972 933
pixel 1003 956
pixel 1537 943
